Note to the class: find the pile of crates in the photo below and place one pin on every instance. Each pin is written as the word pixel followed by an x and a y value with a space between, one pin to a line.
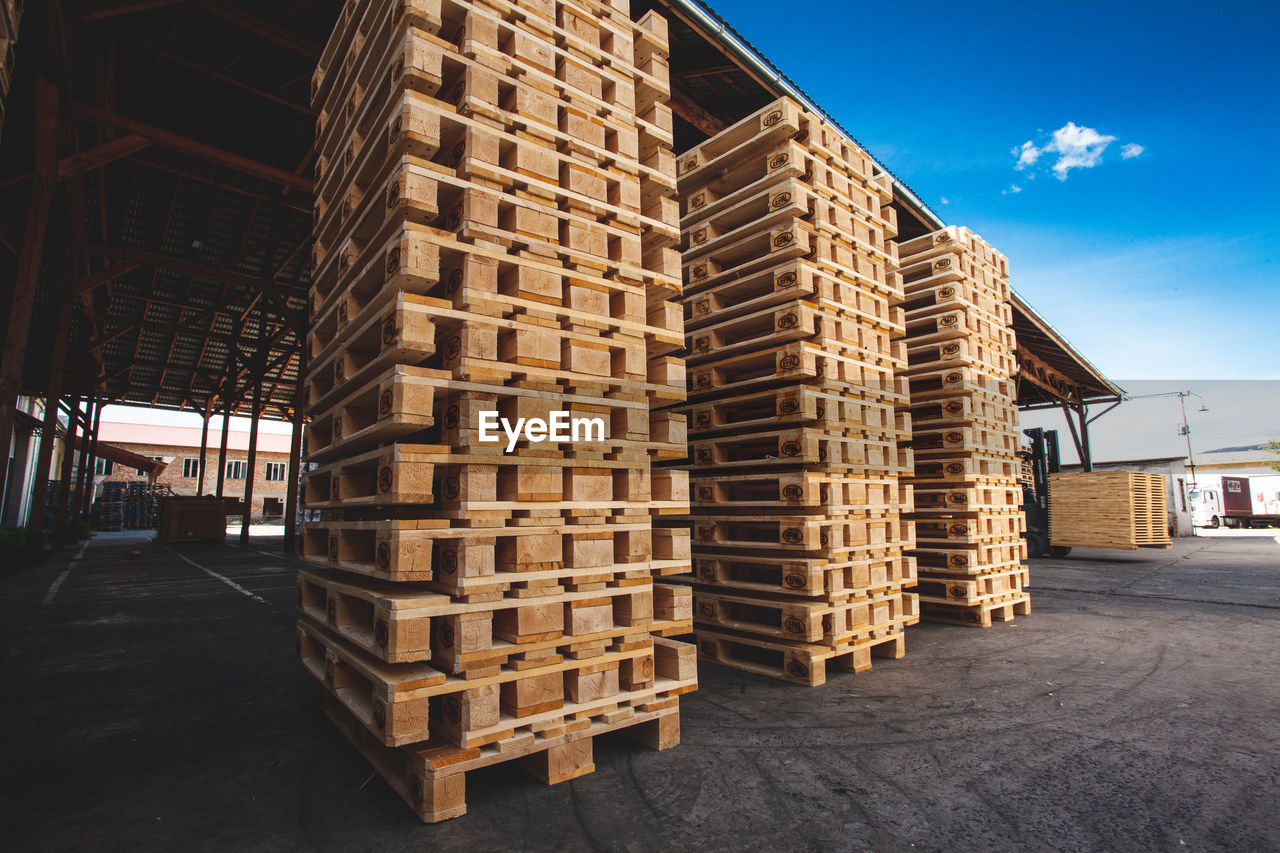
pixel 111 506
pixel 799 521
pixel 495 235
pixel 10 19
pixel 965 438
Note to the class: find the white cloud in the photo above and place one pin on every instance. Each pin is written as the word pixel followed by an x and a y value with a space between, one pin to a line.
pixel 1014 189
pixel 946 200
pixel 1027 154
pixel 1076 147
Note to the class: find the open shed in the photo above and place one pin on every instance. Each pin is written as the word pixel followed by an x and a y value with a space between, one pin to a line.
pixel 155 230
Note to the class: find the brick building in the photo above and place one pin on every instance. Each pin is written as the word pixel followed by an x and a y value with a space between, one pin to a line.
pixel 179 447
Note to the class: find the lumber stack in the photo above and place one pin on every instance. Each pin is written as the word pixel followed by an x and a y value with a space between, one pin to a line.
pixel 10 19
pixel 1108 509
pixel 794 354
pixel 964 418
pixel 495 237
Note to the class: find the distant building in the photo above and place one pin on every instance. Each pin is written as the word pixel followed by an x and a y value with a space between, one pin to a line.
pixel 1177 481
pixel 20 462
pixel 179 448
pixel 1237 462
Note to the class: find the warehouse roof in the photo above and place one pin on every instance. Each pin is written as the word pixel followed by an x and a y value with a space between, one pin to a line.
pixel 183 215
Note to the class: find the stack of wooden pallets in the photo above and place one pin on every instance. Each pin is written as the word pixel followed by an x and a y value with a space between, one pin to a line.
pixel 965 439
pixel 794 353
pixel 10 19
pixel 495 237
pixel 1108 509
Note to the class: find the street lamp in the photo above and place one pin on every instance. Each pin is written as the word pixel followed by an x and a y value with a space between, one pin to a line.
pixel 1185 430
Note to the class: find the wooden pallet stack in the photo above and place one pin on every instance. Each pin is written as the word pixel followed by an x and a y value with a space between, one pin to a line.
pixel 964 417
pixel 1108 509
pixel 495 236
pixel 794 353
pixel 10 20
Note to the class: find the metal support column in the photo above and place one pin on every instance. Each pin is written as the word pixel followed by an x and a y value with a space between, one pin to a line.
pixel 39 204
pixel 295 460
pixel 204 450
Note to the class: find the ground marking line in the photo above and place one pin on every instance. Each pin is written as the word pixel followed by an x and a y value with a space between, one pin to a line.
pixel 60 579
pixel 228 581
pixel 257 551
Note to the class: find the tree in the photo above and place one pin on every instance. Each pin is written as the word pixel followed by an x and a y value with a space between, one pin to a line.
pixel 1274 447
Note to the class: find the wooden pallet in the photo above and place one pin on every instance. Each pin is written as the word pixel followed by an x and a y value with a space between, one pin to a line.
pixel 981 615
pixel 961 500
pixel 486 559
pixel 412 703
pixel 824 623
pixel 431 777
pixel 970 557
pixel 398 623
pixel 806 577
pixel 951 589
pixel 805 664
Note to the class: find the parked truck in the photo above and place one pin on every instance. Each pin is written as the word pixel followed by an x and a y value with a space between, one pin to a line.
pixel 1236 502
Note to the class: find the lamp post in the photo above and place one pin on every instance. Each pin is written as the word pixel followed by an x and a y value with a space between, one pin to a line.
pixel 1186 428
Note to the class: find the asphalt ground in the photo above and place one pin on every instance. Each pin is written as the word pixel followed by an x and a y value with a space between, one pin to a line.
pixel 154 702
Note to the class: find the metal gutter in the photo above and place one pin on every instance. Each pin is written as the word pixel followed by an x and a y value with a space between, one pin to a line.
pixel 715 27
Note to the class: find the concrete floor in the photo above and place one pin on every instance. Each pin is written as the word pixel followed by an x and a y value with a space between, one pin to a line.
pixel 155 703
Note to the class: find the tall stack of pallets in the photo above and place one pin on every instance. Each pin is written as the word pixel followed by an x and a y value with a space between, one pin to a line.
pixel 965 438
pixel 10 19
pixel 794 351
pixel 495 237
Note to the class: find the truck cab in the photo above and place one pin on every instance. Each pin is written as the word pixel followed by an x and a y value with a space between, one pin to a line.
pixel 1206 507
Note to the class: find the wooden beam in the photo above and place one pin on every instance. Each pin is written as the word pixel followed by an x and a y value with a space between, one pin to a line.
pixel 194 148
pixel 110 274
pixel 267 30
pixel 1045 377
pixel 695 115
pixel 53 394
pixel 115 10
pixel 696 73
pixel 217 75
pixel 40 203
pixel 274 290
pixel 95 158
pixel 198 172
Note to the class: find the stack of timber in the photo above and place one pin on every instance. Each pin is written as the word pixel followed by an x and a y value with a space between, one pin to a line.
pixel 182 518
pixel 495 237
pixel 964 418
pixel 10 18
pixel 793 341
pixel 1108 509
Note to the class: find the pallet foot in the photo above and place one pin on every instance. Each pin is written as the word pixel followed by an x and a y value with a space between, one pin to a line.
pixel 662 733
pixel 562 762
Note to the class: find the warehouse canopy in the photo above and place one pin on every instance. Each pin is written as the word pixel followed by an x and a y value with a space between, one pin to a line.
pixel 1051 370
pixel 181 212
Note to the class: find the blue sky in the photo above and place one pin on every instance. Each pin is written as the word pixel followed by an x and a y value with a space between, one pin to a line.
pixel 1160 265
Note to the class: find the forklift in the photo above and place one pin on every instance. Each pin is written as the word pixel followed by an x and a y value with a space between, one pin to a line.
pixel 1036 501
